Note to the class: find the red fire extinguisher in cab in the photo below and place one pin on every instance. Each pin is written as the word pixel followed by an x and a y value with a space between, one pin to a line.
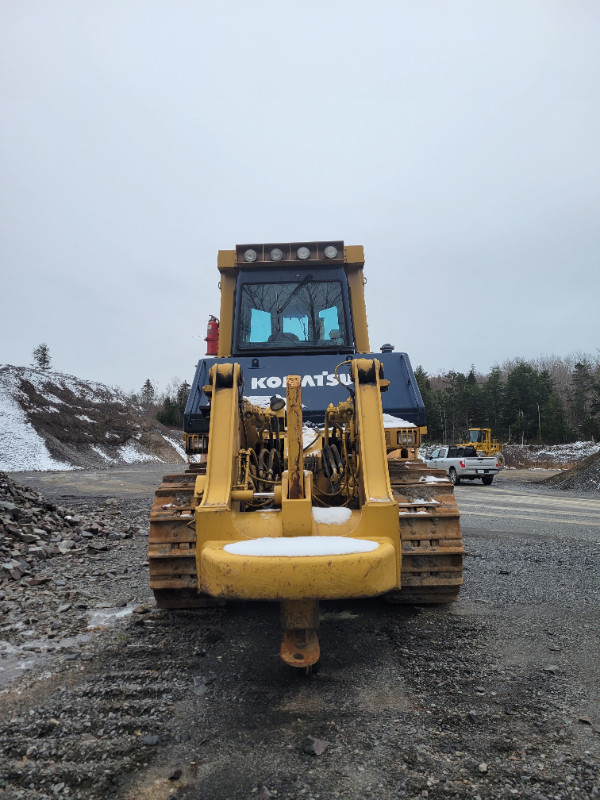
pixel 212 336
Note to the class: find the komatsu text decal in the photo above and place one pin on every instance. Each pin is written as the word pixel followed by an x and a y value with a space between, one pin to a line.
pixel 324 378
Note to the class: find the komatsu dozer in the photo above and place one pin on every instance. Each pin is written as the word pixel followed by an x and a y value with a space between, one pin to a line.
pixel 304 481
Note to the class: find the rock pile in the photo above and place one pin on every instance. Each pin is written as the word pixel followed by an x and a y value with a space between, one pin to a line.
pixel 584 476
pixel 32 529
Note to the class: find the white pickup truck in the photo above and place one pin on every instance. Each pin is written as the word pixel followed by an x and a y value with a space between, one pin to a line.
pixel 463 463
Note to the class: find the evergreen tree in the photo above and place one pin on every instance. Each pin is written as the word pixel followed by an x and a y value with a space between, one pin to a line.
pixel 554 426
pixel 182 397
pixel 591 424
pixel 173 404
pixel 582 391
pixel 476 402
pixel 526 392
pixel 461 404
pixel 516 400
pixel 147 394
pixel 431 406
pixel 493 400
pixel 169 414
pixel 41 356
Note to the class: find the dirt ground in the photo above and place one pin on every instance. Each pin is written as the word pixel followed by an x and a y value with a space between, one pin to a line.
pixel 104 697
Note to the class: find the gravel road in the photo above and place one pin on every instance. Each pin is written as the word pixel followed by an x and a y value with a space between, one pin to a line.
pixel 497 696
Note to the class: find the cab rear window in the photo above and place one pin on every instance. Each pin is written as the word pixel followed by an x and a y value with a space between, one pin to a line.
pixel 292 314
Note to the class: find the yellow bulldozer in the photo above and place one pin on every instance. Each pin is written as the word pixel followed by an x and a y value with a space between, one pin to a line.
pixel 303 480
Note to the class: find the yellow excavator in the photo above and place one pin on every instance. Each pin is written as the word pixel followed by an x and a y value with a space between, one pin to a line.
pixel 304 481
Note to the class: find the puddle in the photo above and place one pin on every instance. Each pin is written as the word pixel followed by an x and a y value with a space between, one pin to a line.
pixel 105 617
pixel 338 615
pixel 17 659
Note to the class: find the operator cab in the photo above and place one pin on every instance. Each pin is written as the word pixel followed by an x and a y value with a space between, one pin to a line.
pixel 292 301
pixel 299 308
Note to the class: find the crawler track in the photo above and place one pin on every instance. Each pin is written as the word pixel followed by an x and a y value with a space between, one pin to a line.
pixel 432 548
pixel 172 543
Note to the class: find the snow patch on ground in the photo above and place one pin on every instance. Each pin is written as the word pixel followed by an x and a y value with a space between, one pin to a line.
pixel 97 449
pixel 83 410
pixel 89 390
pixel 565 453
pixel 105 617
pixel 290 546
pixel 132 453
pixel 176 444
pixel 21 448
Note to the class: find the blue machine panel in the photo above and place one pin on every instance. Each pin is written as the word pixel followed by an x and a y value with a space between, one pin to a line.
pixel 264 376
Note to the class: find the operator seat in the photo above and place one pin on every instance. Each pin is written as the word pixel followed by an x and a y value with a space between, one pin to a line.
pixel 282 338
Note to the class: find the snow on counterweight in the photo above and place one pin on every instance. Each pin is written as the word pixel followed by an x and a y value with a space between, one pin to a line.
pixel 298 546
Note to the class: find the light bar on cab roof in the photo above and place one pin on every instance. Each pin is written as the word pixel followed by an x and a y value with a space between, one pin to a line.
pixel 284 253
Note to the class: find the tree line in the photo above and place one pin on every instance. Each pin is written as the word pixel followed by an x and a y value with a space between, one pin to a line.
pixel 550 400
pixel 167 407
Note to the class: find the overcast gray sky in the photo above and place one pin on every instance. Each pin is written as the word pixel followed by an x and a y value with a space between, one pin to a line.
pixel 458 142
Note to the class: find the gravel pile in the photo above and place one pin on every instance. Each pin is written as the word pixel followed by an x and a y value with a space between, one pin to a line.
pixel 33 529
pixel 61 571
pixel 556 456
pixel 585 476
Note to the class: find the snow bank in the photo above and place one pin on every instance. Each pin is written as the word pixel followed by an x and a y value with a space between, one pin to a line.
pixel 566 453
pixel 289 546
pixel 21 448
pixel 91 391
pixel 132 453
pixel 97 449
pixel 29 398
pixel 176 444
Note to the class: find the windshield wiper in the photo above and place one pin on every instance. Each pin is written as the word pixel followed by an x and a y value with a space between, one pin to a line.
pixel 280 309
